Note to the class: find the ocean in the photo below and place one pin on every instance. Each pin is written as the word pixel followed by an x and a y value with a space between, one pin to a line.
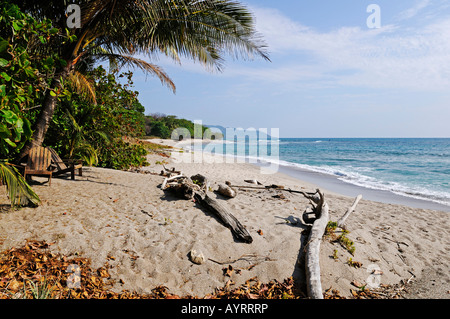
pixel 415 168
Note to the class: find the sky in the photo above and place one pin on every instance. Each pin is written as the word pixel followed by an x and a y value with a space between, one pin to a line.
pixel 333 73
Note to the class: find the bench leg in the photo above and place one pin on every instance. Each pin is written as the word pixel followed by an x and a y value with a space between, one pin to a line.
pixel 27 178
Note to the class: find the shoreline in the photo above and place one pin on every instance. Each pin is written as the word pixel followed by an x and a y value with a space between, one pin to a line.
pixel 123 220
pixel 369 225
pixel 332 183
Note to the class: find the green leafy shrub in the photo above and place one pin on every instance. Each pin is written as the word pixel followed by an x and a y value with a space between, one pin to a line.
pixel 24 74
pixel 162 126
pixel 160 129
pixel 122 155
pixel 96 131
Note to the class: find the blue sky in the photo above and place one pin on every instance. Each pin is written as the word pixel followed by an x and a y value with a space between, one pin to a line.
pixel 330 75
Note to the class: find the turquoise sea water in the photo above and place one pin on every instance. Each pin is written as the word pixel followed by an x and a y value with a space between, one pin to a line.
pixel 418 168
pixel 413 167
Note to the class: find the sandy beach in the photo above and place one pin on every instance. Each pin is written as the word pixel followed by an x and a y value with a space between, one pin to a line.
pixel 124 219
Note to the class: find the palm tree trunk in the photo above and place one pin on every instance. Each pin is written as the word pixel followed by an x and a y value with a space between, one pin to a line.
pixel 48 109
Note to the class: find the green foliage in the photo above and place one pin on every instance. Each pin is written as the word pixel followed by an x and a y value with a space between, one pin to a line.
pixel 162 126
pixel 40 290
pixel 347 243
pixel 24 74
pixel 93 131
pixel 122 155
pixel 335 255
pixel 32 67
pixel 355 264
pixel 19 192
pixel 124 114
pixel 342 239
pixel 159 129
pixel 331 227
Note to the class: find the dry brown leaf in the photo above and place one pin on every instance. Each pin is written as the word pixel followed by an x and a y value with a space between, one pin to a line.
pixel 14 285
pixel 228 271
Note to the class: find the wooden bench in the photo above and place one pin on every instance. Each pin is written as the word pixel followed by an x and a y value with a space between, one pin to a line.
pixel 67 165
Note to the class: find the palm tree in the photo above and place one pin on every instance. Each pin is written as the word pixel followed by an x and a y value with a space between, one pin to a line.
pixel 79 136
pixel 122 31
pixel 19 192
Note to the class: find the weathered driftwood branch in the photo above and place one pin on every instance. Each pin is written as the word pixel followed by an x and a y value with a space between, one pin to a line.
pixel 273 186
pixel 201 181
pixel 197 187
pixel 225 216
pixel 314 285
pixel 252 181
pixel 312 251
pixel 341 221
pixel 169 179
pixel 250 187
pixel 171 171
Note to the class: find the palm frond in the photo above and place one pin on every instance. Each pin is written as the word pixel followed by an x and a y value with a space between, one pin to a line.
pixel 202 30
pixel 19 192
pixel 103 135
pixel 205 31
pixel 82 85
pixel 87 153
pixel 119 61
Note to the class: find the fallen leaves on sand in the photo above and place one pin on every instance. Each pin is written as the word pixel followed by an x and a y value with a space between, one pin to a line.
pixel 34 265
pixel 363 292
pixel 33 271
pixel 255 289
pixel 32 268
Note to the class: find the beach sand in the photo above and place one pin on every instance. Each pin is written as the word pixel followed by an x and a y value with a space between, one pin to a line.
pixel 125 220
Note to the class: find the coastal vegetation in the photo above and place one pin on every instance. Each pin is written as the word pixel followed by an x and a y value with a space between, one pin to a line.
pixel 342 239
pixel 161 125
pixel 118 31
pixel 55 91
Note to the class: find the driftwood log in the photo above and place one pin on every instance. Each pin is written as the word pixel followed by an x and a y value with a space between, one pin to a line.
pixel 313 281
pixel 197 187
pixel 169 179
pixel 341 221
pixel 312 250
pixel 225 216
pixel 169 173
pixel 201 181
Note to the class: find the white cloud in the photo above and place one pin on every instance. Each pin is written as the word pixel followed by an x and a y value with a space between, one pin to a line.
pixel 413 11
pixel 304 58
pixel 390 57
